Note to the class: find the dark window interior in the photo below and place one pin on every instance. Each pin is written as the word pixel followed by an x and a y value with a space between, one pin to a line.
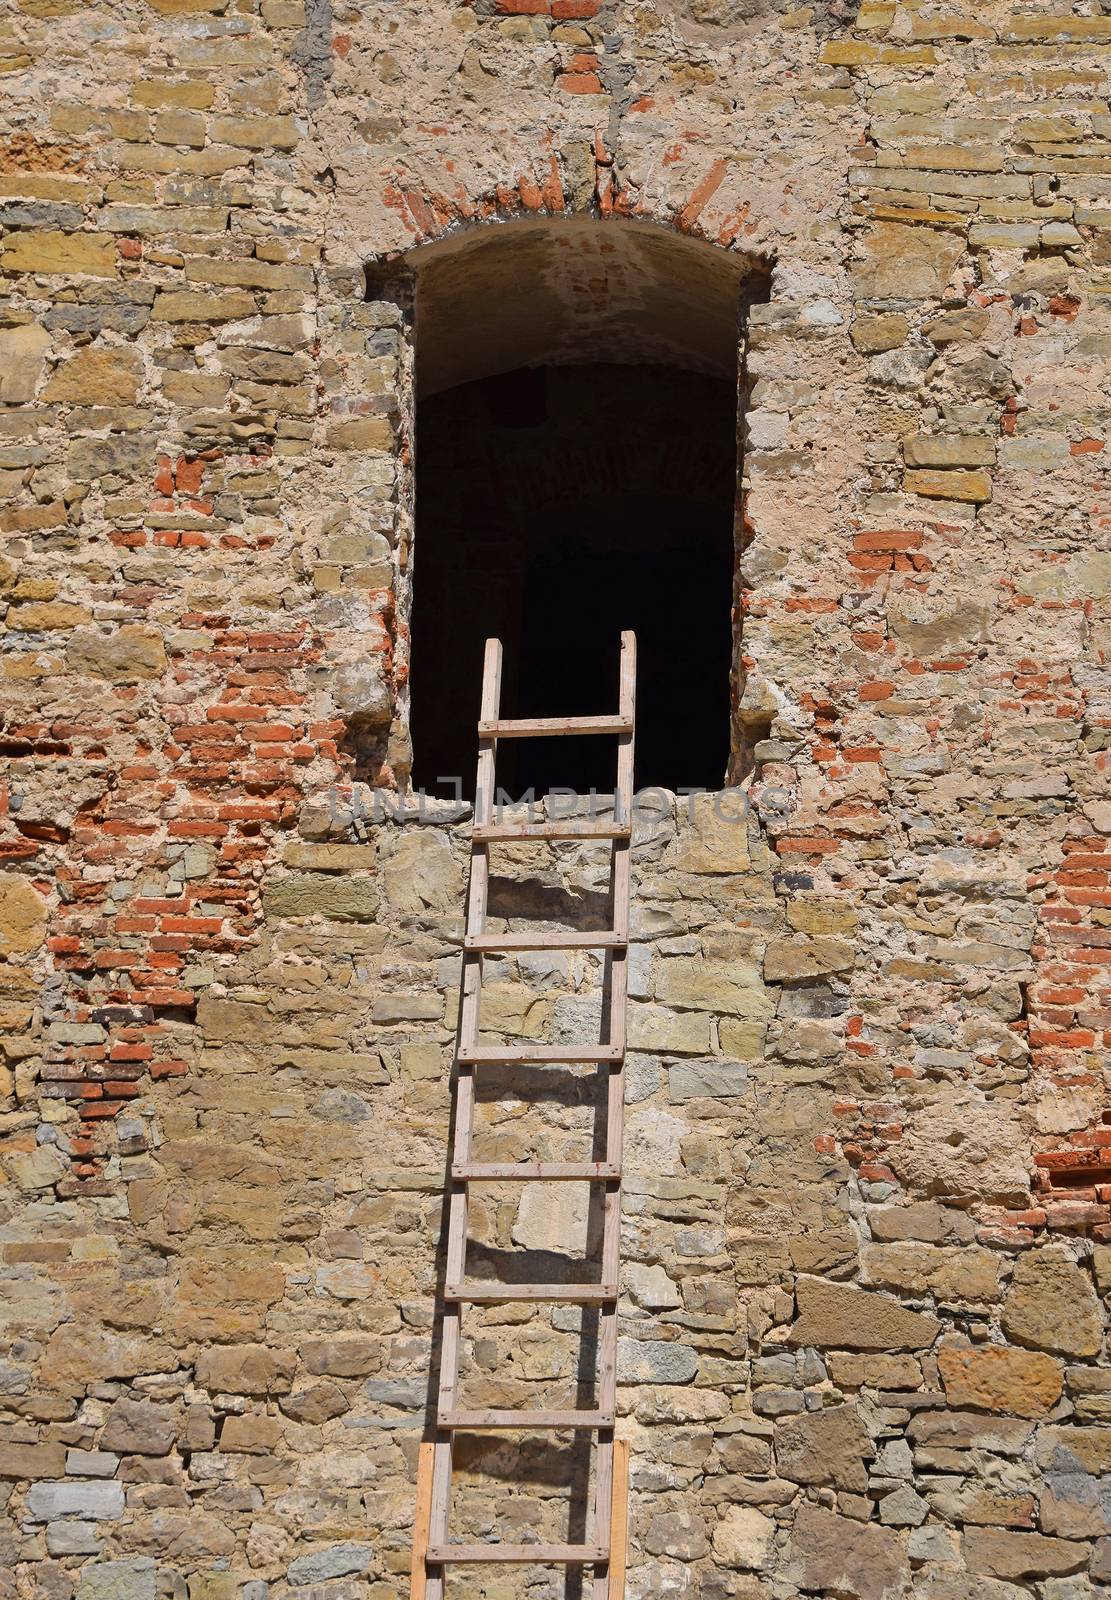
pixel 555 507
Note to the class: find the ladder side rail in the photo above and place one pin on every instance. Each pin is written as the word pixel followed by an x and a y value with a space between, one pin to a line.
pixel 452 1319
pixel 418 1572
pixel 621 877
pixel 619 1523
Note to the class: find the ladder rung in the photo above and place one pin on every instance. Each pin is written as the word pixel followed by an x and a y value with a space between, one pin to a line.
pixel 572 828
pixel 551 727
pixel 477 1293
pixel 604 939
pixel 525 1419
pixel 536 1172
pixel 538 1554
pixel 539 1054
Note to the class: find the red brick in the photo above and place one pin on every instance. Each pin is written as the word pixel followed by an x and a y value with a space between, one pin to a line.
pixel 579 83
pixel 890 539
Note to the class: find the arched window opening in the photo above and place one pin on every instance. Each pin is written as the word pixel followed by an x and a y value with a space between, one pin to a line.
pixel 576 474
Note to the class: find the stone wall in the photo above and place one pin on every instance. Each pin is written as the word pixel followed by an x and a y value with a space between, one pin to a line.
pixel 869 1230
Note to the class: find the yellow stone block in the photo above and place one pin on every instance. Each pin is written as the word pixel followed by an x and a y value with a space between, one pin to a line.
pixel 97 377
pixel 256 133
pixel 949 450
pixel 972 487
pixel 184 305
pixel 48 251
pixel 361 433
pixel 192 95
pixel 184 8
pixel 39 616
pixel 859 53
pixel 821 916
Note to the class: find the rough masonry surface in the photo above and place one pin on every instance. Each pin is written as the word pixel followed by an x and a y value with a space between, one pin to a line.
pixel 868 1181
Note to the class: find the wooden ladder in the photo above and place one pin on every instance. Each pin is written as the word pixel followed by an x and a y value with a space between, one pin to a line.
pixel 432 1553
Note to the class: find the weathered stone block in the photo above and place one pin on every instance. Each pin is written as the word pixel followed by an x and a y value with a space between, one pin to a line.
pixel 807 958
pixel 552 1216
pixel 140 1427
pixel 998 1554
pixel 655 1028
pixel 972 487
pixel 709 1080
pixel 969 1430
pixel 42 250
pixel 680 1534
pixel 360 433
pixel 421 876
pixel 728 987
pixel 32 1460
pixel 334 1561
pixel 966 1148
pixel 1074 1449
pixel 348 1356
pixel 651 1287
pixel 330 857
pixel 22 358
pixel 72 1538
pixel 23 915
pixel 965 1273
pixel 825 1447
pixel 190 305
pixel 130 655
pixel 923 1220
pixel 315 1405
pixel 256 133
pixel 234 1021
pixel 217 1585
pixel 1051 1305
pixel 1029 454
pixel 46 616
pixel 997 1379
pixel 949 450
pixel 713 834
pixel 744 1539
pixel 655 1361
pixel 1075 1505
pixel 903 1508
pixel 245 1369
pixel 133 1579
pixel 95 377
pixel 92 1463
pixel 871 335
pixel 821 916
pixel 837 1555
pixel 92 1500
pixel 905 263
pixel 956 327
pixel 307 894
pixel 840 1317
pixel 348 1280
pixel 251 1435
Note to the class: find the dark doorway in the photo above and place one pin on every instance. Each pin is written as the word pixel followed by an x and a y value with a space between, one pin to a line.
pixel 557 505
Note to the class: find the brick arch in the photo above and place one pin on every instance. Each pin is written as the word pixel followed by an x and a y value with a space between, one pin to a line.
pixel 551 182
pixel 690 191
